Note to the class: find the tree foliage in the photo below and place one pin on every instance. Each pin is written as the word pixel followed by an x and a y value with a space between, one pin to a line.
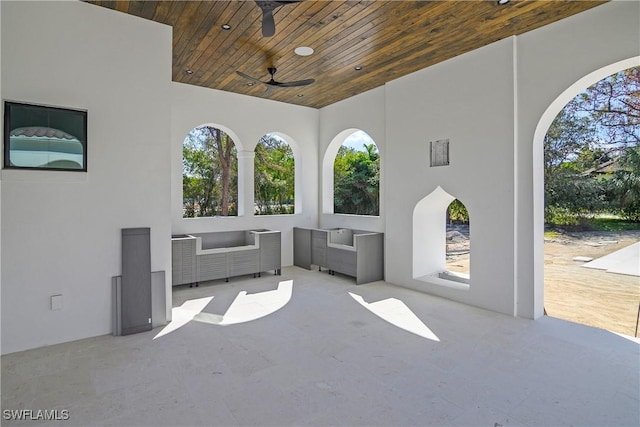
pixel 626 185
pixel 613 105
pixel 274 177
pixel 598 128
pixel 356 176
pixel 209 173
pixel 457 212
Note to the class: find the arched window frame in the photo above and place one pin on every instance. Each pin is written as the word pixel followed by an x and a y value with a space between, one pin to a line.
pixel 240 170
pixel 295 150
pixel 328 161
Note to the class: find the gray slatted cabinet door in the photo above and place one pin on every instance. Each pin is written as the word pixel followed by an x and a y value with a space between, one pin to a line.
pixel 136 280
pixel 270 251
pixel 212 267
pixel 183 261
pixel 319 248
pixel 176 263
pixel 188 256
pixel 242 262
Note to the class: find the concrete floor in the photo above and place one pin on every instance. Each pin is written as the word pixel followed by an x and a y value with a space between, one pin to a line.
pixel 326 357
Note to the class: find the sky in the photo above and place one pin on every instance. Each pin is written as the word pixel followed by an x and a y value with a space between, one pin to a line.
pixel 357 140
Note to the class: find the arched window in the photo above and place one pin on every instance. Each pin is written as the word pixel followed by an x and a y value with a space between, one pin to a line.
pixel 356 176
pixel 274 176
pixel 209 173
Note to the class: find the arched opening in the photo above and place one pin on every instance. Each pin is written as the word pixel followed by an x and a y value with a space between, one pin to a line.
pixel 355 139
pixel 458 243
pixel 573 173
pixel 430 242
pixel 274 176
pixel 209 173
pixel 356 175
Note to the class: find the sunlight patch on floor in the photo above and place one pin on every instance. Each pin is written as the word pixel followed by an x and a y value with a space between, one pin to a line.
pixel 248 307
pixel 184 314
pixel 244 308
pixel 398 314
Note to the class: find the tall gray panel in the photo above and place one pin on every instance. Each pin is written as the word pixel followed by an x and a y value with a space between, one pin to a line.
pixel 302 247
pixel 136 280
pixel 319 248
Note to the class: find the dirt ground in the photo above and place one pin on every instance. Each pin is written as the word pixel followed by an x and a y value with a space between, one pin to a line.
pixel 572 292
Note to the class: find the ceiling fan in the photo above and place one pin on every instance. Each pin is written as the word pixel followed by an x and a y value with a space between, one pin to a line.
pixel 268 7
pixel 273 83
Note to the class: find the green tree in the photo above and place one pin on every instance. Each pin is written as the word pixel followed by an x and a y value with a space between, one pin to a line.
pixel 209 173
pixel 626 184
pixel 601 124
pixel 357 181
pixel 457 211
pixel 274 176
pixel 569 138
pixel 613 105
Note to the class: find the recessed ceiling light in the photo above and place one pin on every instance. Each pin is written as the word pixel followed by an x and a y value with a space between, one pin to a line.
pixel 225 27
pixel 188 71
pixel 357 68
pixel 501 2
pixel 300 95
pixel 249 84
pixel 303 51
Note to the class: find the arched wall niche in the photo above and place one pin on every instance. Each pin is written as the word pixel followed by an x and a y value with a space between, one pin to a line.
pixel 428 240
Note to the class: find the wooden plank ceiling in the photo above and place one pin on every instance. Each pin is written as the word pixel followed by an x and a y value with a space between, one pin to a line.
pixel 388 39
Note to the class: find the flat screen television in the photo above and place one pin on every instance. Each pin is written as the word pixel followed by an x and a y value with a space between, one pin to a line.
pixel 44 137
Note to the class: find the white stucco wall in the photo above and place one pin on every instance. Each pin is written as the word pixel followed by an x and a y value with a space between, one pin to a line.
pixel 247 119
pixel 61 230
pixel 468 100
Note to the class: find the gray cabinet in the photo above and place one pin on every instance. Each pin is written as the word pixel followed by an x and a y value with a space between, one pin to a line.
pixel 342 260
pixel 135 297
pixel 352 252
pixel 319 248
pixel 246 261
pixel 270 251
pixel 364 259
pixel 302 247
pixel 211 267
pixel 310 248
pixel 183 260
pixel 220 255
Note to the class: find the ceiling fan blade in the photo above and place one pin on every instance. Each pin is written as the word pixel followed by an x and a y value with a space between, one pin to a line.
pixel 268 23
pixel 248 77
pixel 273 83
pixel 268 6
pixel 297 83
